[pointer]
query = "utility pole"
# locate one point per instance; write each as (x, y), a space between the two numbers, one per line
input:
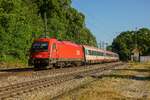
(100, 45)
(45, 21)
(136, 40)
(45, 18)
(106, 46)
(136, 48)
(103, 44)
(137, 44)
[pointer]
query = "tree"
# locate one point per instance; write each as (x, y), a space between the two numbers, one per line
(17, 23)
(19, 19)
(64, 19)
(127, 41)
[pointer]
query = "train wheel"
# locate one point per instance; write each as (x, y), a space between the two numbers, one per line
(49, 66)
(62, 64)
(36, 67)
(77, 64)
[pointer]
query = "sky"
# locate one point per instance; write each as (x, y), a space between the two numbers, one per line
(107, 18)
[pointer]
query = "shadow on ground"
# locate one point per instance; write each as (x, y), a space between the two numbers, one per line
(27, 69)
(17, 70)
(138, 70)
(133, 77)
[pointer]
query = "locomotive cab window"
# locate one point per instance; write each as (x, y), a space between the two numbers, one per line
(39, 46)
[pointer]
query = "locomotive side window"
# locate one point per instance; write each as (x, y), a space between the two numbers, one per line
(39, 46)
(54, 46)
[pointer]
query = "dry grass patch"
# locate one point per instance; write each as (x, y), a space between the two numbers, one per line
(132, 83)
(15, 64)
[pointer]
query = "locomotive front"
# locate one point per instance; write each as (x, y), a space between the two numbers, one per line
(39, 53)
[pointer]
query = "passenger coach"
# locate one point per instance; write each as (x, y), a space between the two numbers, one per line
(96, 55)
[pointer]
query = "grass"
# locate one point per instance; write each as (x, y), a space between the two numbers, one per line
(10, 62)
(132, 83)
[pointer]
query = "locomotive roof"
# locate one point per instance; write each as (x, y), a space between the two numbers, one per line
(70, 43)
(44, 39)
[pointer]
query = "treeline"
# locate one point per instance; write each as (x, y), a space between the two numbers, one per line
(20, 19)
(128, 41)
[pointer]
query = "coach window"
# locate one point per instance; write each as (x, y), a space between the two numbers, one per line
(90, 52)
(95, 53)
(100, 54)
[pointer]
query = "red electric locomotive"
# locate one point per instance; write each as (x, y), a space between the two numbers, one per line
(51, 52)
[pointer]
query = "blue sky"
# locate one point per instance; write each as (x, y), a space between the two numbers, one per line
(107, 18)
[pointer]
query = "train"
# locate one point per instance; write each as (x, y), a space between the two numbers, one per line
(50, 52)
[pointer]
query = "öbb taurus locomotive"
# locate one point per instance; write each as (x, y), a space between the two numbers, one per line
(51, 52)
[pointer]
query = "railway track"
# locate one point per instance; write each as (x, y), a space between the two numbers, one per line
(30, 86)
(18, 76)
